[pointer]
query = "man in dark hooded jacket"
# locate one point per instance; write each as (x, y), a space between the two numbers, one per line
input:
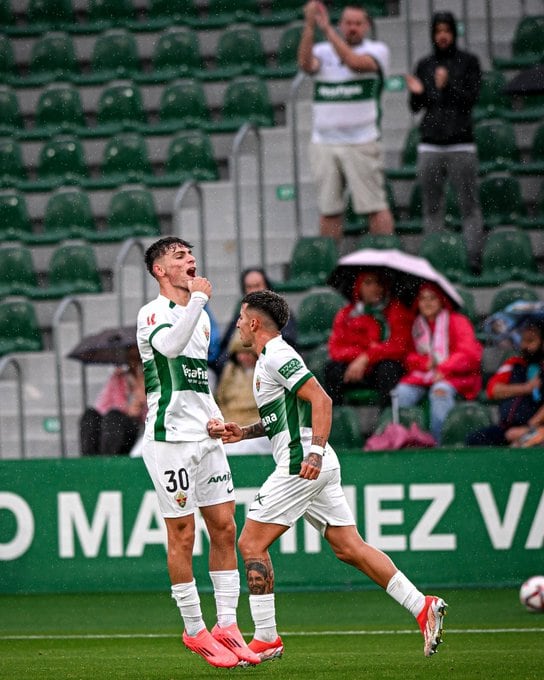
(446, 85)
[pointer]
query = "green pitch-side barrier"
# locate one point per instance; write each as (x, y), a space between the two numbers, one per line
(468, 517)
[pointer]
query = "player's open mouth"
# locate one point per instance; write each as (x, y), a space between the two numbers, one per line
(191, 272)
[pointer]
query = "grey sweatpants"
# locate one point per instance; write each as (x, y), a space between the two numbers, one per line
(460, 168)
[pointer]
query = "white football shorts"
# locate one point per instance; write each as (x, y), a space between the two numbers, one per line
(284, 498)
(188, 475)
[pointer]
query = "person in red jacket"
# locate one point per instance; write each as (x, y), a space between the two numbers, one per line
(369, 340)
(446, 360)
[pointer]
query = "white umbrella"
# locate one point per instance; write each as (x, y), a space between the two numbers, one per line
(407, 272)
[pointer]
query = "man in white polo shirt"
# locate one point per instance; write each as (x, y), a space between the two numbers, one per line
(348, 70)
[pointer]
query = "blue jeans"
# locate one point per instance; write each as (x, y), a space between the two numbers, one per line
(441, 401)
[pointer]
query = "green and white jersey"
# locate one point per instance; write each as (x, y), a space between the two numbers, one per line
(178, 395)
(347, 103)
(280, 371)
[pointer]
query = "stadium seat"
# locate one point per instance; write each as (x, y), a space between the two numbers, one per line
(413, 414)
(190, 156)
(316, 359)
(286, 55)
(176, 55)
(509, 294)
(68, 214)
(527, 47)
(535, 164)
(507, 256)
(53, 58)
(413, 223)
(345, 429)
(163, 13)
(447, 252)
(114, 55)
(59, 109)
(12, 169)
(501, 201)
(492, 101)
(469, 306)
(19, 330)
(72, 270)
(183, 105)
(239, 51)
(11, 120)
(17, 273)
(49, 15)
(14, 219)
(312, 261)
(315, 316)
(527, 109)
(125, 159)
(8, 67)
(246, 99)
(380, 241)
(496, 144)
(104, 14)
(536, 219)
(281, 12)
(131, 212)
(408, 159)
(7, 18)
(61, 161)
(464, 418)
(120, 107)
(223, 13)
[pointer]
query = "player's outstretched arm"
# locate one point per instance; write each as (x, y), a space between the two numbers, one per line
(321, 426)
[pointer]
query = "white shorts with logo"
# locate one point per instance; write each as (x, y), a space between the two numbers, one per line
(188, 475)
(284, 498)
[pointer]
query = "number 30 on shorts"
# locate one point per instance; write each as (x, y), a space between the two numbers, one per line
(177, 479)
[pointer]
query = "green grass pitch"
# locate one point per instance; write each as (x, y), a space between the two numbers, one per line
(340, 636)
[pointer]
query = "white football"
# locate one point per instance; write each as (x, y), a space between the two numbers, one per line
(531, 594)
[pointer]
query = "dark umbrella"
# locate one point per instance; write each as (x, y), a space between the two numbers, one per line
(107, 347)
(529, 81)
(405, 272)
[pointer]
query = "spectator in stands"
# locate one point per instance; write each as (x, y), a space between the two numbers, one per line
(349, 71)
(369, 341)
(112, 427)
(446, 85)
(517, 386)
(252, 280)
(234, 393)
(445, 362)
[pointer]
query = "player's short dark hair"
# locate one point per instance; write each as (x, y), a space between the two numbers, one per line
(160, 248)
(270, 304)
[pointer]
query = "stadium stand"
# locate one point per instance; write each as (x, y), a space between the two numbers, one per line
(312, 261)
(315, 316)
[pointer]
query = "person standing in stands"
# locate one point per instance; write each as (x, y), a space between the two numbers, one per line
(446, 86)
(349, 70)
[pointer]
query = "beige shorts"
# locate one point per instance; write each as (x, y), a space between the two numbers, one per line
(284, 498)
(359, 167)
(188, 475)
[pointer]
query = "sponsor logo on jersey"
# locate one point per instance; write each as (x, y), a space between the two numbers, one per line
(215, 479)
(181, 499)
(197, 374)
(291, 367)
(268, 420)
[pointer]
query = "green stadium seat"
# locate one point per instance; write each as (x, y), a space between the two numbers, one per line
(509, 294)
(535, 164)
(315, 316)
(190, 157)
(49, 15)
(246, 100)
(492, 101)
(131, 212)
(281, 12)
(8, 69)
(380, 242)
(176, 55)
(507, 256)
(68, 215)
(17, 273)
(312, 261)
(53, 58)
(183, 104)
(7, 18)
(527, 47)
(72, 270)
(413, 223)
(114, 55)
(61, 161)
(104, 14)
(447, 252)
(469, 305)
(59, 109)
(19, 330)
(11, 120)
(496, 144)
(163, 13)
(527, 109)
(408, 159)
(120, 108)
(315, 360)
(239, 51)
(413, 414)
(12, 169)
(125, 159)
(14, 219)
(501, 201)
(345, 429)
(536, 219)
(222, 13)
(360, 396)
(464, 418)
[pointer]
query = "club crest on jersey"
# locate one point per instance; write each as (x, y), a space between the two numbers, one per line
(258, 383)
(151, 320)
(291, 367)
(181, 499)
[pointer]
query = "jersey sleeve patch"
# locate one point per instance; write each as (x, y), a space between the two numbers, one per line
(290, 368)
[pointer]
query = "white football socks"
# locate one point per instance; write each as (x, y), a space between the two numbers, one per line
(263, 612)
(405, 593)
(188, 601)
(226, 589)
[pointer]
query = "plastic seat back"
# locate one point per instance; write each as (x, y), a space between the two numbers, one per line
(184, 102)
(315, 317)
(496, 143)
(133, 209)
(507, 295)
(7, 61)
(501, 201)
(508, 254)
(63, 159)
(52, 13)
(312, 261)
(464, 418)
(115, 54)
(17, 273)
(247, 99)
(11, 119)
(447, 253)
(19, 329)
(173, 10)
(240, 46)
(192, 152)
(68, 212)
(59, 107)
(73, 269)
(177, 50)
(53, 56)
(345, 428)
(14, 219)
(492, 102)
(12, 169)
(110, 12)
(126, 157)
(121, 104)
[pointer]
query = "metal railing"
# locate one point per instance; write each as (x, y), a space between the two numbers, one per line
(235, 165)
(186, 187)
(119, 285)
(5, 363)
(294, 92)
(66, 303)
